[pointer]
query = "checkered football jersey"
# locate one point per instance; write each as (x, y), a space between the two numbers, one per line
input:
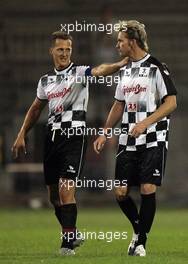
(67, 95)
(143, 86)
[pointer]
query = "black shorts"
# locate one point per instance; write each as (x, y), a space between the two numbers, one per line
(137, 167)
(63, 157)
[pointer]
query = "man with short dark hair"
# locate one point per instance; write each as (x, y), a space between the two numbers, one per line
(144, 99)
(67, 98)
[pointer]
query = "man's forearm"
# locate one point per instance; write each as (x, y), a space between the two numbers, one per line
(29, 121)
(114, 116)
(108, 69)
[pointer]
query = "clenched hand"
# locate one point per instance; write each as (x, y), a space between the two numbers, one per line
(138, 129)
(99, 144)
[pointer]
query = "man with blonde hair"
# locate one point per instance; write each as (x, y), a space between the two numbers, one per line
(145, 97)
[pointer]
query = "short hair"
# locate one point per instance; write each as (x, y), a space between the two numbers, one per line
(135, 30)
(60, 35)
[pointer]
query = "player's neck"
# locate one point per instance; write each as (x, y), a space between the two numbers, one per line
(138, 55)
(62, 67)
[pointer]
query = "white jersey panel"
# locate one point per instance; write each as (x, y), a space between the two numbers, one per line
(67, 95)
(143, 86)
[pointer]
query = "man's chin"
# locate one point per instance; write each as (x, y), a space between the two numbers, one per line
(63, 64)
(122, 55)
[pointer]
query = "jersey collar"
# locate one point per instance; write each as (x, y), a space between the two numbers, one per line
(64, 70)
(134, 63)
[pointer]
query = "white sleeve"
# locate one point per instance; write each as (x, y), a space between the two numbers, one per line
(164, 84)
(119, 93)
(40, 91)
(82, 71)
(82, 74)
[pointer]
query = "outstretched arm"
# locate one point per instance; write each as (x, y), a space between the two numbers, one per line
(108, 69)
(29, 121)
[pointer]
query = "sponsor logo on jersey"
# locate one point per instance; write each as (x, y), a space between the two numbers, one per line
(134, 89)
(58, 94)
(144, 72)
(127, 73)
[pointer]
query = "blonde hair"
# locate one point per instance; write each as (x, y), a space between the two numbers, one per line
(135, 30)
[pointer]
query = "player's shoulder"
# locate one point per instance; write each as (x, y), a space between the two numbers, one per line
(44, 78)
(74, 68)
(161, 66)
(47, 74)
(81, 70)
(80, 66)
(156, 62)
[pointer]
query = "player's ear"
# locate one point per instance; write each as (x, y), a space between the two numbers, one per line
(133, 43)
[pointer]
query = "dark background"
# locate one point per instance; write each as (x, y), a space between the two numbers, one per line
(25, 29)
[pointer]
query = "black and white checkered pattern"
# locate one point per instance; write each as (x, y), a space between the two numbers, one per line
(144, 85)
(67, 95)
